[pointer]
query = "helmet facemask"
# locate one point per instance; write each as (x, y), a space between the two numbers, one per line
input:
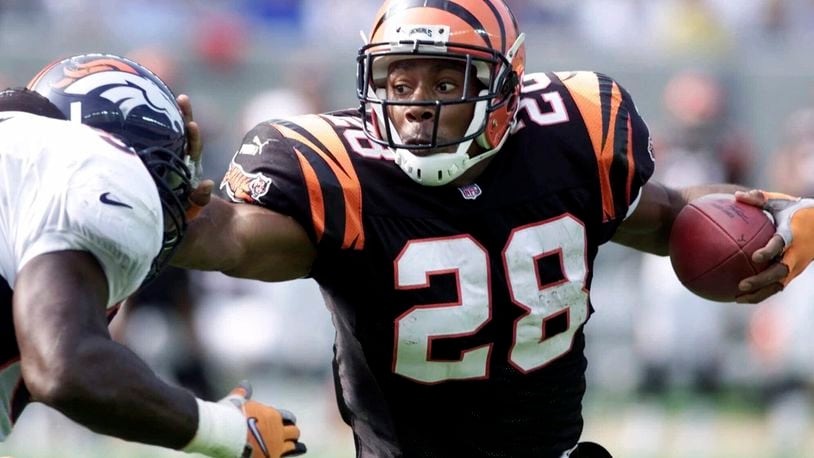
(495, 105)
(172, 178)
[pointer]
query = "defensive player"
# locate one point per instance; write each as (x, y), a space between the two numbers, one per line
(86, 215)
(452, 223)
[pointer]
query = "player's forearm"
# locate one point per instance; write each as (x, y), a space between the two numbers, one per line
(107, 388)
(209, 243)
(69, 361)
(648, 228)
(693, 192)
(246, 241)
(123, 398)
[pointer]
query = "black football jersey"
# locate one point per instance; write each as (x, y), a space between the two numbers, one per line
(459, 311)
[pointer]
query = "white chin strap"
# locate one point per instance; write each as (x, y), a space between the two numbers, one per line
(438, 169)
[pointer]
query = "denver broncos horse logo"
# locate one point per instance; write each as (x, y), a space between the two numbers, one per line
(119, 83)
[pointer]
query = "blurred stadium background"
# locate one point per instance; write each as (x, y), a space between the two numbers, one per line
(727, 87)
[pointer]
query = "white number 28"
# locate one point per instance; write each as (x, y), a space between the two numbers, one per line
(462, 256)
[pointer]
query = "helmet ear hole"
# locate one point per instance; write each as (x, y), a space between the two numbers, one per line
(509, 84)
(511, 104)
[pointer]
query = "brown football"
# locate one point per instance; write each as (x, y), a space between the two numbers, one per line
(712, 242)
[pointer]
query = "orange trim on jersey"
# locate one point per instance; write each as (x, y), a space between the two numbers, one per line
(584, 89)
(631, 160)
(340, 163)
(314, 195)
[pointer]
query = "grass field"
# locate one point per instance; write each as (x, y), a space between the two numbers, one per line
(679, 426)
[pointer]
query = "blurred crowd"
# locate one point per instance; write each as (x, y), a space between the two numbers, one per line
(675, 25)
(722, 106)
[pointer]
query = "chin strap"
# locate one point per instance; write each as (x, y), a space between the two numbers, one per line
(195, 170)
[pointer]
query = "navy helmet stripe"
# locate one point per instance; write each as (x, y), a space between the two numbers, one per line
(511, 15)
(444, 5)
(500, 24)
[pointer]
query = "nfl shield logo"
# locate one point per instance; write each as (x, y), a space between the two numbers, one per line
(470, 191)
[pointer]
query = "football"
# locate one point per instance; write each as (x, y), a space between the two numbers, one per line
(711, 245)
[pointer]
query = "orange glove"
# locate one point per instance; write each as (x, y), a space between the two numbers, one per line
(272, 433)
(794, 219)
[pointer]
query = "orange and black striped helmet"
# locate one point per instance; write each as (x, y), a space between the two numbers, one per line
(483, 34)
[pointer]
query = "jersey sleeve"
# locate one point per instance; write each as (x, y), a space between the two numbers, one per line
(620, 141)
(108, 206)
(301, 167)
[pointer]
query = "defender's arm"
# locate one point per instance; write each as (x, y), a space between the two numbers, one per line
(70, 362)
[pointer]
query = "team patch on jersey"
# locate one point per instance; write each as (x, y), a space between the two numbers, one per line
(242, 186)
(470, 191)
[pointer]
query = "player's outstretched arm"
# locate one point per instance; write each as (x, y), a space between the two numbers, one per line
(240, 240)
(247, 241)
(69, 362)
(648, 227)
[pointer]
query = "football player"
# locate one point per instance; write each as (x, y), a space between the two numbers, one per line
(92, 204)
(452, 223)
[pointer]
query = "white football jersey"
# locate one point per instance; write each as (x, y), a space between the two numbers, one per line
(66, 186)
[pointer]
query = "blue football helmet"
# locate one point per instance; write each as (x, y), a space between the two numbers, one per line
(123, 98)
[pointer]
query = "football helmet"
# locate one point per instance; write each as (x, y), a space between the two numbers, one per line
(123, 98)
(484, 35)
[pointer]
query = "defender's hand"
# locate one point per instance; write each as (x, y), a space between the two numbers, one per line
(202, 189)
(194, 141)
(794, 220)
(272, 433)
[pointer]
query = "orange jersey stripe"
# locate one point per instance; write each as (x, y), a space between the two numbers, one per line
(340, 163)
(314, 195)
(606, 160)
(585, 90)
(631, 160)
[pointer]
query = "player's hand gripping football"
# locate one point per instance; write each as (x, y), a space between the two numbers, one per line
(272, 433)
(202, 191)
(794, 241)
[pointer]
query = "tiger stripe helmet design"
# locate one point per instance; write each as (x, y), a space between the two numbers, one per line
(481, 33)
